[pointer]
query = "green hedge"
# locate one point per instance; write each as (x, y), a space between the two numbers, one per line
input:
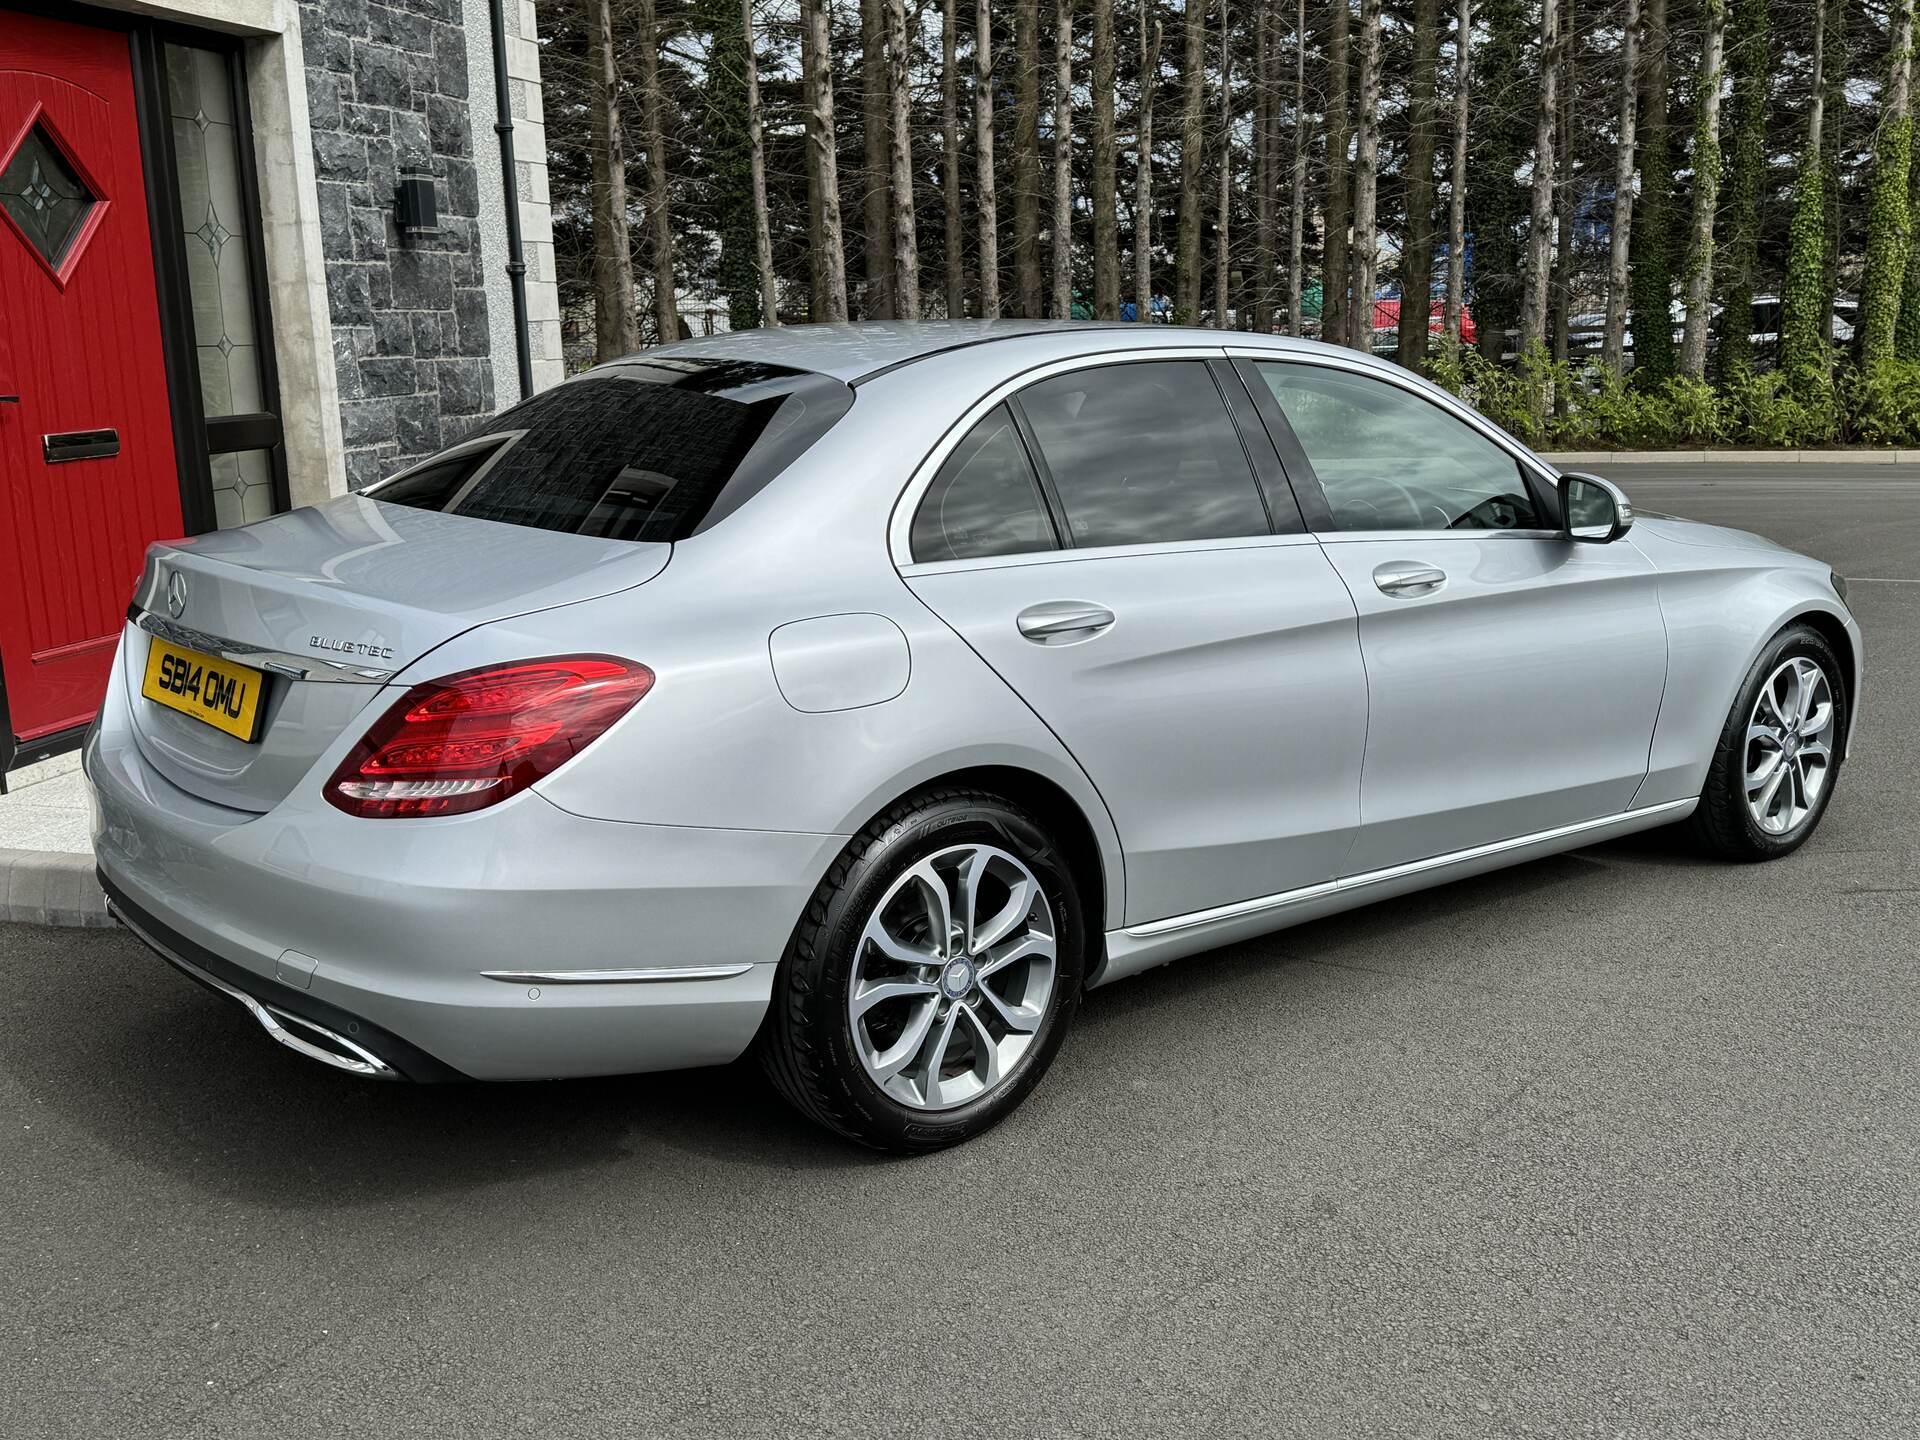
(1594, 409)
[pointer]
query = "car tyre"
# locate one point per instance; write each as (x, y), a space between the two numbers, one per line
(897, 1038)
(1778, 756)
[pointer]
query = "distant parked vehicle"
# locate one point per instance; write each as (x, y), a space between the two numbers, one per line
(1386, 324)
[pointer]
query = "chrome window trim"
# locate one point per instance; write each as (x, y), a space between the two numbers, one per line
(1420, 389)
(900, 522)
(1357, 537)
(1100, 552)
(287, 663)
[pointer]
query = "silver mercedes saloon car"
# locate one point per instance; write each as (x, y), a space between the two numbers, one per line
(861, 695)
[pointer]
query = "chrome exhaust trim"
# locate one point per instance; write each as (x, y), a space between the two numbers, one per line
(354, 1059)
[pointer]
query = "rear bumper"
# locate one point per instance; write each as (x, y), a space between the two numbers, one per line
(310, 1027)
(465, 947)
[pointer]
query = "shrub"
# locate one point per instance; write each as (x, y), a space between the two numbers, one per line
(1767, 411)
(1881, 401)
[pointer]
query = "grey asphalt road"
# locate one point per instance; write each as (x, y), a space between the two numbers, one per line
(1616, 1144)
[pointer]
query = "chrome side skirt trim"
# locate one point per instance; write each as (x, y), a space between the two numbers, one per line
(1139, 947)
(651, 975)
(278, 662)
(349, 1057)
(1392, 872)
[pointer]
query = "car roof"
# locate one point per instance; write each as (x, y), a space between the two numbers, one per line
(860, 351)
(852, 352)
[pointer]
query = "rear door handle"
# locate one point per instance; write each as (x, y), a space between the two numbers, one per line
(1408, 578)
(1058, 622)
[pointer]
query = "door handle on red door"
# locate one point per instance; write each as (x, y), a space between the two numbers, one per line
(1408, 578)
(1060, 622)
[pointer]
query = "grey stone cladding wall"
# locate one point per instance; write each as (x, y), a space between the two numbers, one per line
(387, 92)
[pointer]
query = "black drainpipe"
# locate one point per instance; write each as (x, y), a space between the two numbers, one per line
(516, 258)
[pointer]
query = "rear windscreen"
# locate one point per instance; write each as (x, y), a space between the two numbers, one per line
(638, 450)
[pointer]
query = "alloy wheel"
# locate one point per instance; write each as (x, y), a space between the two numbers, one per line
(952, 977)
(1789, 752)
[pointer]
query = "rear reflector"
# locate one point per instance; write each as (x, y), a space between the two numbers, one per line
(471, 740)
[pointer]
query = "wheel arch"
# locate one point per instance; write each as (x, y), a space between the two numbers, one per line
(1830, 627)
(1093, 849)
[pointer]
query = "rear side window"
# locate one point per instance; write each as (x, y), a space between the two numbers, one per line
(1144, 452)
(985, 500)
(651, 450)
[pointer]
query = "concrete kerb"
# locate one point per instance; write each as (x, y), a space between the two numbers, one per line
(51, 887)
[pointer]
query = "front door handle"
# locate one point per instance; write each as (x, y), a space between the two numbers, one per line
(1059, 622)
(1408, 578)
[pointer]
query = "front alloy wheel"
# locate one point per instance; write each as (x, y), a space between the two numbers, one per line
(1778, 757)
(1789, 746)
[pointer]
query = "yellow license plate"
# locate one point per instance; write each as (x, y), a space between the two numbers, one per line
(223, 694)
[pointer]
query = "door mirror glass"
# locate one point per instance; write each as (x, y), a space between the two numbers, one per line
(1594, 510)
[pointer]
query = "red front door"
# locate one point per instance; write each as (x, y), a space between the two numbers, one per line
(87, 473)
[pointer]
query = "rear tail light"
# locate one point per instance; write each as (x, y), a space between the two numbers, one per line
(470, 740)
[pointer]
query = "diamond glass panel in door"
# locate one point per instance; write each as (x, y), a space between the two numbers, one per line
(44, 195)
(242, 487)
(206, 144)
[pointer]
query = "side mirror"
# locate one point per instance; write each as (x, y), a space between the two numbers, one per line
(1593, 510)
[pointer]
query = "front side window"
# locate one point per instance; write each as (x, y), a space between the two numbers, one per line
(985, 500)
(1144, 452)
(644, 449)
(1387, 459)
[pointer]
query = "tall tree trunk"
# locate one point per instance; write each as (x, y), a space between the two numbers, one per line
(1416, 254)
(1561, 308)
(1297, 198)
(1143, 174)
(1650, 258)
(1706, 196)
(877, 304)
(1533, 308)
(1749, 57)
(950, 143)
(1456, 300)
(984, 194)
(1063, 160)
(1804, 354)
(1265, 243)
(757, 145)
(1337, 210)
(816, 197)
(1222, 245)
(1502, 145)
(653, 133)
(823, 172)
(906, 237)
(1026, 158)
(1839, 43)
(1906, 332)
(1106, 224)
(1889, 227)
(1366, 182)
(1613, 335)
(1193, 80)
(613, 327)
